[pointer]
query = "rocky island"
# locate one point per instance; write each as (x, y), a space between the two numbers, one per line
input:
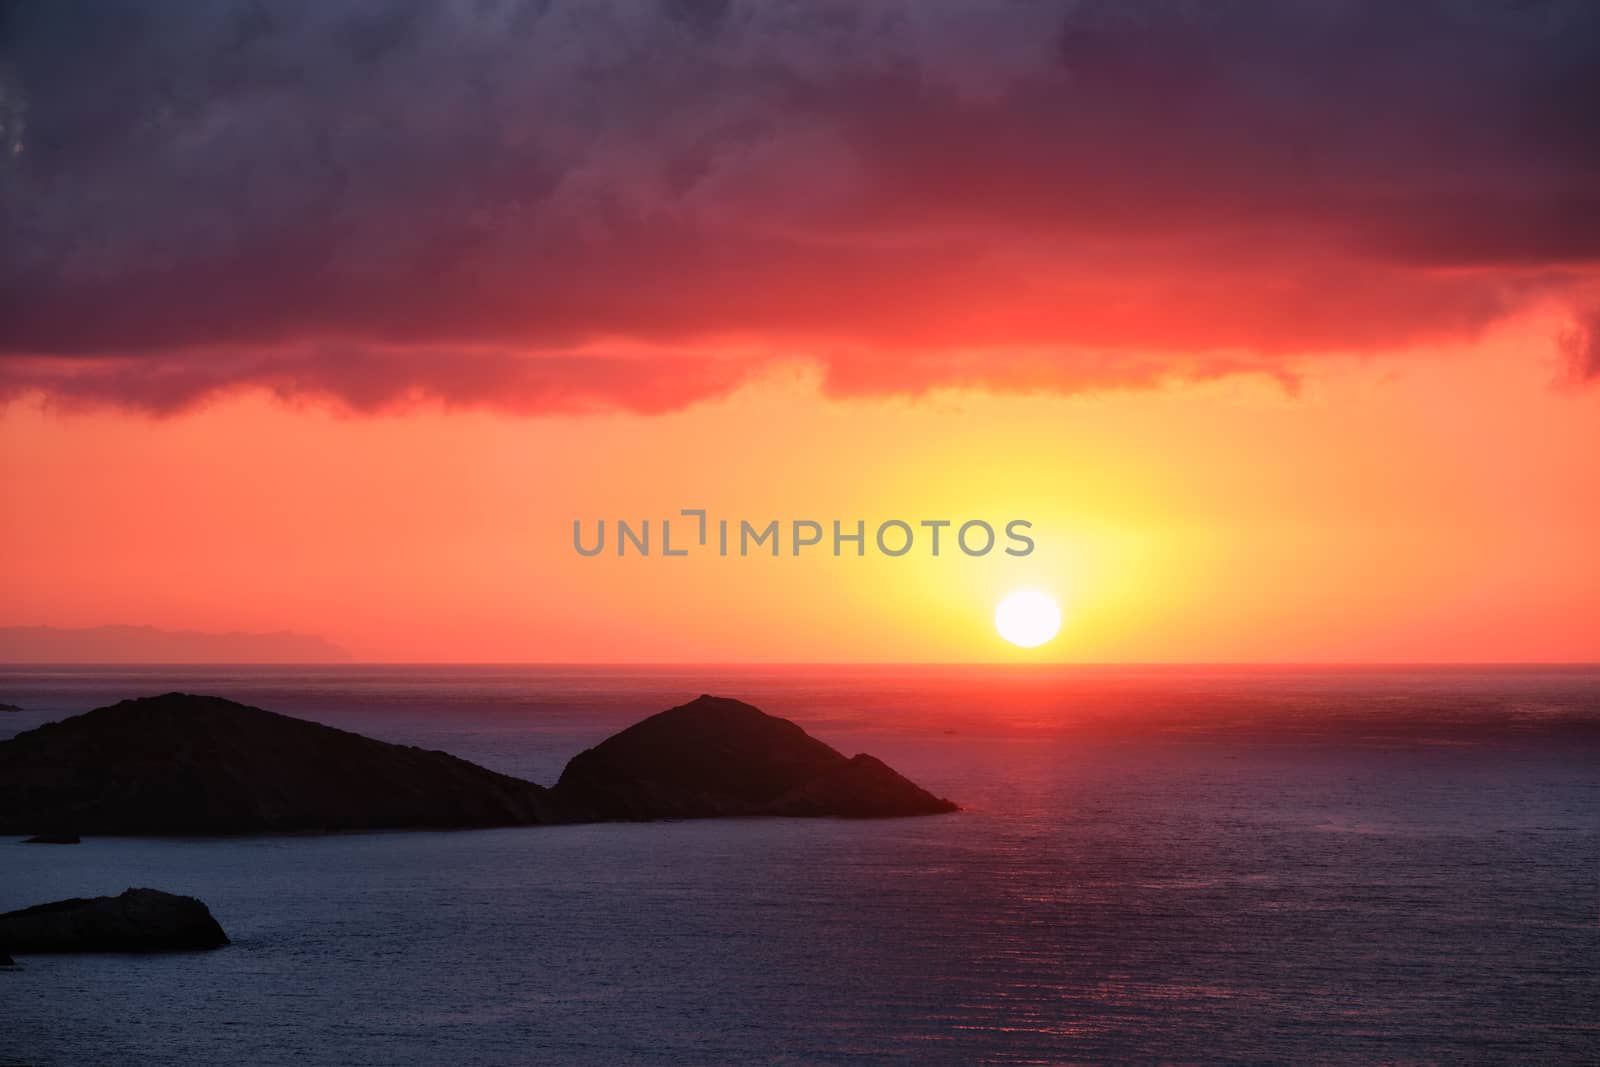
(182, 764)
(140, 920)
(716, 757)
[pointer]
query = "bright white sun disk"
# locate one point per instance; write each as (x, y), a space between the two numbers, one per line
(1027, 618)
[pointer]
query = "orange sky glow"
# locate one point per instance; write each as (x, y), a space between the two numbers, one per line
(1437, 507)
(1281, 363)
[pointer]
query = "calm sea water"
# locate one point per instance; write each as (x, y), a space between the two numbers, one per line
(1236, 865)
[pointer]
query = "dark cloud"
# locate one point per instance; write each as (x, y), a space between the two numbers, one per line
(558, 206)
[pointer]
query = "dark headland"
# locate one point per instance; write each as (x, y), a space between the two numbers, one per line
(184, 764)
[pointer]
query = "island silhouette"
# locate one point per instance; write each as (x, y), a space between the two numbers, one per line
(183, 764)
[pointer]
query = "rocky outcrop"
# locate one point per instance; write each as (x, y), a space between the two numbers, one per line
(9, 707)
(720, 757)
(182, 764)
(140, 920)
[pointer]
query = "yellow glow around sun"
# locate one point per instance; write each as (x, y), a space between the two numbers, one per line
(1027, 618)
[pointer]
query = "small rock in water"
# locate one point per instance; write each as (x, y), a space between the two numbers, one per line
(140, 920)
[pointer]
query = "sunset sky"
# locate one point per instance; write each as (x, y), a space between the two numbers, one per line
(1280, 323)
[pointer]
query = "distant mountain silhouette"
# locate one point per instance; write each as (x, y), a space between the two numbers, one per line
(146, 644)
(183, 764)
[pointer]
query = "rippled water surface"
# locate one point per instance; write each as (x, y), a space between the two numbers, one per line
(1221, 864)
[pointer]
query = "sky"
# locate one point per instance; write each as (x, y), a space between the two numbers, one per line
(1280, 322)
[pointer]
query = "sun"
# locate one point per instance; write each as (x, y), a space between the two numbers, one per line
(1027, 618)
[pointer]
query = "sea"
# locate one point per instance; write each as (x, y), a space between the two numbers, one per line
(1152, 864)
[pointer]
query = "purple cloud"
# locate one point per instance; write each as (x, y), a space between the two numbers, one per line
(561, 206)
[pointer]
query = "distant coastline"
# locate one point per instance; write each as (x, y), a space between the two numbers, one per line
(150, 645)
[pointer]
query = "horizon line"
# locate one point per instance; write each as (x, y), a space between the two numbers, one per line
(673, 664)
